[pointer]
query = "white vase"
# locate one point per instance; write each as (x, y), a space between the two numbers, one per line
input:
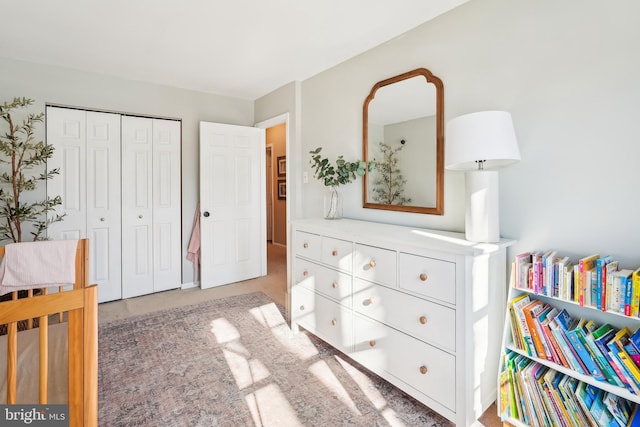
(332, 203)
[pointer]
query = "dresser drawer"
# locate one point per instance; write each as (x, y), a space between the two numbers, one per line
(431, 277)
(307, 245)
(424, 367)
(337, 253)
(323, 317)
(318, 278)
(376, 264)
(424, 320)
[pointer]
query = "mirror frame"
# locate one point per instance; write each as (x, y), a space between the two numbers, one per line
(430, 78)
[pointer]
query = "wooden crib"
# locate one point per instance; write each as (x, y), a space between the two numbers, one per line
(77, 308)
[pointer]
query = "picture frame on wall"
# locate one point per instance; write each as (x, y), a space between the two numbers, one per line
(282, 189)
(282, 165)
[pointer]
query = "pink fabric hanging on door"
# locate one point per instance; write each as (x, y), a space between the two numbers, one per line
(193, 251)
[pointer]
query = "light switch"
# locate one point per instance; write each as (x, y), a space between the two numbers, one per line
(305, 177)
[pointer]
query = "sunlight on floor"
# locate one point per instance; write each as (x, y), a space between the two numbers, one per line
(365, 384)
(224, 331)
(269, 407)
(375, 397)
(269, 316)
(268, 404)
(246, 372)
(325, 375)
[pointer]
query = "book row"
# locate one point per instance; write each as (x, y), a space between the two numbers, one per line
(539, 396)
(593, 281)
(603, 352)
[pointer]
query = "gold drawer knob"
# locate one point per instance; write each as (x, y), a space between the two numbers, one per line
(334, 322)
(334, 285)
(372, 343)
(305, 273)
(423, 277)
(302, 308)
(306, 245)
(372, 263)
(370, 300)
(334, 253)
(423, 370)
(423, 320)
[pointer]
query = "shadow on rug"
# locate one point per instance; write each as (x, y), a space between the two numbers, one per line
(235, 362)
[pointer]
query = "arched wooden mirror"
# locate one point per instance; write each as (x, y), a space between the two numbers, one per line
(403, 132)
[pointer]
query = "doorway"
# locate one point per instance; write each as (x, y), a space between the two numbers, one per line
(276, 150)
(269, 191)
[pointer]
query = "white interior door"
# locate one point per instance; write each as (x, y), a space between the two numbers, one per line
(167, 265)
(103, 204)
(232, 203)
(87, 152)
(66, 131)
(137, 208)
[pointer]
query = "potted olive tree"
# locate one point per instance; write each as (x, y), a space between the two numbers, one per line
(22, 167)
(332, 176)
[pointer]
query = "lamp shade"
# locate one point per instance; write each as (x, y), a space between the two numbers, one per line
(484, 136)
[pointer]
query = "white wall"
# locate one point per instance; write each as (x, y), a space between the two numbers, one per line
(569, 72)
(54, 85)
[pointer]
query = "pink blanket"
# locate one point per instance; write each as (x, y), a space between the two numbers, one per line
(33, 265)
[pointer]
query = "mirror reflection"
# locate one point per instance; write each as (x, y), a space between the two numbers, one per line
(403, 135)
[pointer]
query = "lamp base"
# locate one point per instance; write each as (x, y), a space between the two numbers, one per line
(482, 212)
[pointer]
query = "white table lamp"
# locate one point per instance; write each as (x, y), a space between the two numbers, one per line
(478, 143)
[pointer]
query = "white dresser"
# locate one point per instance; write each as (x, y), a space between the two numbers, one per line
(421, 308)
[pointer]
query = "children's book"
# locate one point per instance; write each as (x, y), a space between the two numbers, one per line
(577, 338)
(584, 264)
(618, 407)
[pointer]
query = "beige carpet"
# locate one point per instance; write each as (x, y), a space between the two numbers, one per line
(273, 285)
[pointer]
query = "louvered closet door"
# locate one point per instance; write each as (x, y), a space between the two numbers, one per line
(137, 206)
(87, 152)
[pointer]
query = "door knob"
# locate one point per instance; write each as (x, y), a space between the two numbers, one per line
(102, 219)
(206, 214)
(140, 216)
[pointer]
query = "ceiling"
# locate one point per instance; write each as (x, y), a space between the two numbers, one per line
(238, 48)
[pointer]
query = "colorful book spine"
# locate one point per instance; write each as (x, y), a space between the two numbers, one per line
(522, 322)
(520, 260)
(635, 303)
(601, 281)
(530, 311)
(572, 358)
(578, 341)
(602, 362)
(602, 336)
(584, 264)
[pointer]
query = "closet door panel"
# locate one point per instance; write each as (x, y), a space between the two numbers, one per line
(137, 209)
(66, 132)
(167, 265)
(103, 204)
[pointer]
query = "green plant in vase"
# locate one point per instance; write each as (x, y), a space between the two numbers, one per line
(333, 175)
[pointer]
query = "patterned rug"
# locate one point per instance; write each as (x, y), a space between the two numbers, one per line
(235, 362)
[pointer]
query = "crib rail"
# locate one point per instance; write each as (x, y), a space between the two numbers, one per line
(80, 307)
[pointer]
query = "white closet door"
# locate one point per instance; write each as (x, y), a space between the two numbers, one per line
(87, 152)
(103, 204)
(167, 265)
(137, 207)
(66, 132)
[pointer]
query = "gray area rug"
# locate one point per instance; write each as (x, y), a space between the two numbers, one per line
(235, 362)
